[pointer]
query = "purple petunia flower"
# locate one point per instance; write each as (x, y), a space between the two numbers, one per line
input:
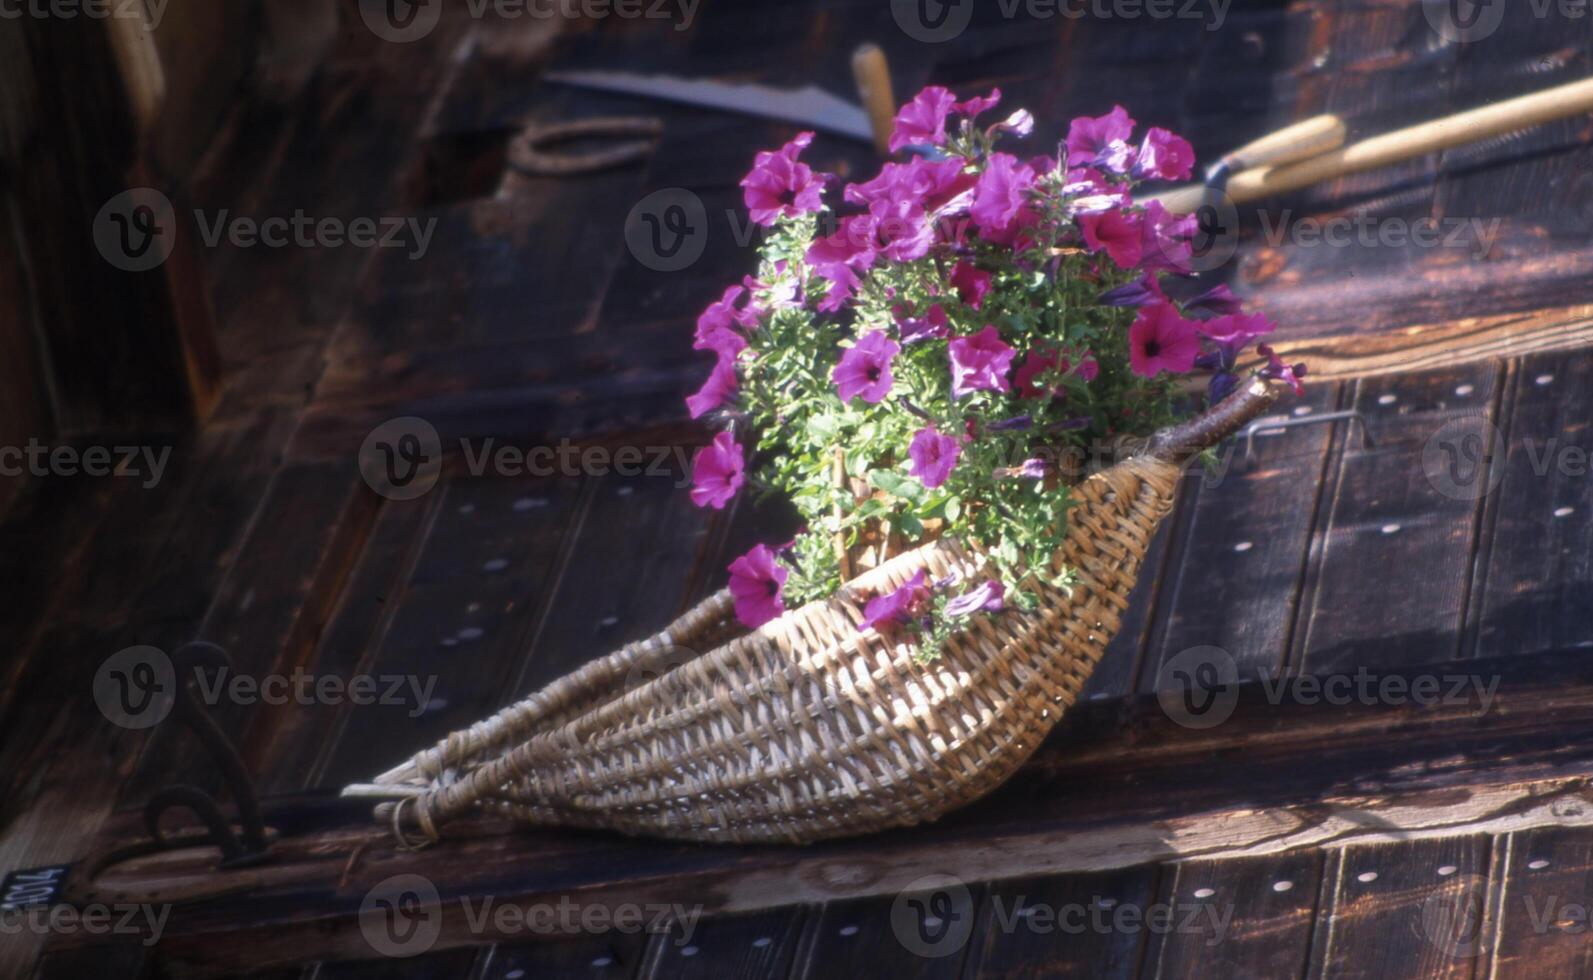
(1236, 330)
(971, 283)
(841, 256)
(716, 327)
(1143, 290)
(1102, 141)
(923, 120)
(757, 583)
(780, 187)
(985, 596)
(898, 606)
(1165, 156)
(717, 390)
(717, 472)
(977, 105)
(1162, 341)
(1117, 233)
(1277, 370)
(1046, 360)
(933, 326)
(934, 456)
(1217, 301)
(980, 363)
(865, 369)
(1166, 237)
(1001, 198)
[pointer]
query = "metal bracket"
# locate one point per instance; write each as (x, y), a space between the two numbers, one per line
(237, 849)
(1260, 426)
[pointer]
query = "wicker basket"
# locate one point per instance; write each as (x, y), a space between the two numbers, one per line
(810, 728)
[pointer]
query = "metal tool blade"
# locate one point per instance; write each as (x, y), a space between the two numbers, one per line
(810, 106)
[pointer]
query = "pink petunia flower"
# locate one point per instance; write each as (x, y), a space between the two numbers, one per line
(757, 583)
(934, 456)
(1002, 196)
(1144, 290)
(923, 120)
(717, 472)
(1117, 233)
(1102, 141)
(841, 256)
(929, 184)
(971, 283)
(980, 363)
(716, 327)
(1161, 340)
(978, 106)
(987, 595)
(1216, 301)
(718, 389)
(780, 187)
(1165, 156)
(865, 369)
(898, 606)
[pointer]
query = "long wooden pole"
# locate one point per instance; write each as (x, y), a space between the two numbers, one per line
(1509, 116)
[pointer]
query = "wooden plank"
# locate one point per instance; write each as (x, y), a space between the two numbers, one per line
(605, 957)
(479, 588)
(1537, 570)
(1543, 917)
(863, 938)
(1067, 926)
(1388, 512)
(1253, 521)
(1249, 919)
(753, 946)
(1404, 909)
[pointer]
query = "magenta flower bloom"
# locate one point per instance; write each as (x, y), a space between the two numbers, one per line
(1146, 290)
(923, 120)
(933, 326)
(1165, 156)
(757, 581)
(930, 185)
(934, 456)
(839, 257)
(1166, 240)
(985, 596)
(1276, 369)
(1046, 360)
(1236, 330)
(865, 369)
(898, 606)
(971, 283)
(1019, 124)
(718, 389)
(978, 106)
(1117, 233)
(1102, 141)
(1217, 301)
(1001, 197)
(980, 363)
(716, 327)
(779, 186)
(717, 472)
(1161, 340)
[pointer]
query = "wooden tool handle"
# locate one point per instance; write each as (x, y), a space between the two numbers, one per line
(1509, 116)
(874, 87)
(1291, 144)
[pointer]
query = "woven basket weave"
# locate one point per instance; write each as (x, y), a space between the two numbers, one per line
(810, 728)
